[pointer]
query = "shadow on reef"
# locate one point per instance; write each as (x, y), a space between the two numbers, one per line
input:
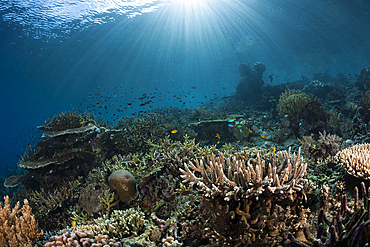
(273, 165)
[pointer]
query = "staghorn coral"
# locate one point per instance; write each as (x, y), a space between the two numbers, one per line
(49, 200)
(136, 133)
(18, 226)
(63, 121)
(277, 173)
(355, 160)
(120, 224)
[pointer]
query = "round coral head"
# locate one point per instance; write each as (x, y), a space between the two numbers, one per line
(123, 184)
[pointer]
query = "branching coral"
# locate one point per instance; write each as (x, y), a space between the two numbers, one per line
(18, 226)
(355, 160)
(47, 201)
(120, 224)
(277, 173)
(66, 120)
(137, 132)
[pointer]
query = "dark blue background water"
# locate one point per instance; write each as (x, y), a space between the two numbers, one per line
(52, 62)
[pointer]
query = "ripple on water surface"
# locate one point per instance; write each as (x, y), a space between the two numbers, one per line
(54, 18)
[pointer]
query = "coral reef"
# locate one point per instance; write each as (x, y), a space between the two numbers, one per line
(223, 174)
(18, 226)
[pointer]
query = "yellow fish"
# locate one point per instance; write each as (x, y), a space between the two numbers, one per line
(166, 126)
(113, 157)
(238, 141)
(250, 131)
(174, 131)
(218, 136)
(265, 137)
(82, 122)
(74, 223)
(218, 142)
(273, 150)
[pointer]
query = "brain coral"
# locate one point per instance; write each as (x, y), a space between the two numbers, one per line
(123, 184)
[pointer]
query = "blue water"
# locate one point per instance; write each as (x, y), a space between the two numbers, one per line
(57, 56)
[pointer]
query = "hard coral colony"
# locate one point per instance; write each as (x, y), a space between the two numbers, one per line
(281, 167)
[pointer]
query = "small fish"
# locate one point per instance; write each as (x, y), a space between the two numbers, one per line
(300, 124)
(250, 131)
(82, 122)
(174, 131)
(218, 136)
(166, 126)
(114, 156)
(230, 125)
(127, 161)
(74, 223)
(271, 78)
(193, 87)
(265, 137)
(238, 141)
(218, 142)
(286, 115)
(274, 150)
